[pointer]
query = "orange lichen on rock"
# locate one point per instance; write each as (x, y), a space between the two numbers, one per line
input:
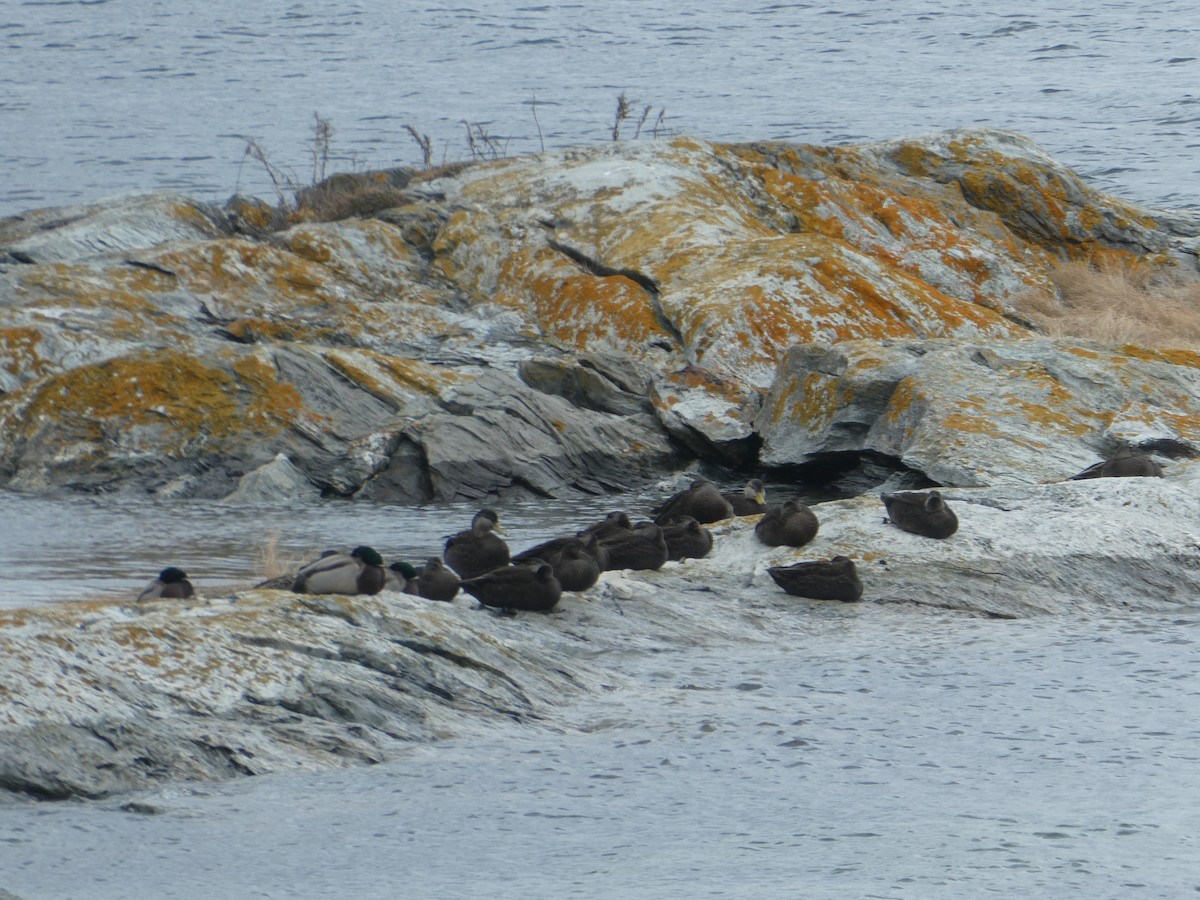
(18, 351)
(179, 398)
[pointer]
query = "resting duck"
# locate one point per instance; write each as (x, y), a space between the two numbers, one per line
(400, 577)
(687, 539)
(925, 514)
(577, 562)
(171, 584)
(531, 587)
(436, 582)
(702, 501)
(1125, 463)
(360, 572)
(792, 524)
(750, 500)
(642, 547)
(477, 550)
(832, 579)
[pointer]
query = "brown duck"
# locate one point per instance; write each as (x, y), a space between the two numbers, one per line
(925, 513)
(790, 524)
(822, 579)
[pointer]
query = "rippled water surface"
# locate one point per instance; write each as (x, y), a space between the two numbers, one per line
(79, 548)
(884, 753)
(99, 97)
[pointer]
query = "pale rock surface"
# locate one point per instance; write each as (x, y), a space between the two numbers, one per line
(982, 412)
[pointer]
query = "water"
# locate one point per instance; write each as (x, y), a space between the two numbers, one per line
(100, 97)
(55, 549)
(872, 752)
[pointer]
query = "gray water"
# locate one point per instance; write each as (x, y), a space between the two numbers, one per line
(99, 97)
(56, 549)
(872, 752)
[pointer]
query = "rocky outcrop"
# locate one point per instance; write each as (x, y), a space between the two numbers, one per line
(541, 325)
(102, 698)
(974, 413)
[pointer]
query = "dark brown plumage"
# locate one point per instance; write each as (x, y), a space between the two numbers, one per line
(702, 501)
(436, 582)
(687, 539)
(1125, 463)
(750, 500)
(643, 547)
(612, 523)
(577, 562)
(530, 588)
(477, 550)
(920, 513)
(171, 584)
(832, 579)
(790, 524)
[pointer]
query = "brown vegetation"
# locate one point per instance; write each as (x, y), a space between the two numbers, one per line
(1119, 303)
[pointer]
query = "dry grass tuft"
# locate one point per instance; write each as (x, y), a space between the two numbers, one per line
(334, 203)
(272, 564)
(1119, 303)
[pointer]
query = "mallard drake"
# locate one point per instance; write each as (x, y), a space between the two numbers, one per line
(171, 584)
(1125, 463)
(687, 539)
(702, 501)
(531, 587)
(360, 572)
(641, 547)
(830, 579)
(791, 524)
(750, 500)
(924, 513)
(436, 582)
(478, 549)
(401, 578)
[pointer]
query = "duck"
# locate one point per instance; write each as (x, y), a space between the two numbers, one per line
(1125, 463)
(687, 539)
(171, 584)
(820, 579)
(401, 578)
(477, 550)
(750, 500)
(576, 569)
(642, 547)
(530, 588)
(702, 501)
(923, 513)
(577, 562)
(615, 521)
(359, 572)
(791, 524)
(436, 582)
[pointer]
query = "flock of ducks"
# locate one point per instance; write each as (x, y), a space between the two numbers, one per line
(478, 561)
